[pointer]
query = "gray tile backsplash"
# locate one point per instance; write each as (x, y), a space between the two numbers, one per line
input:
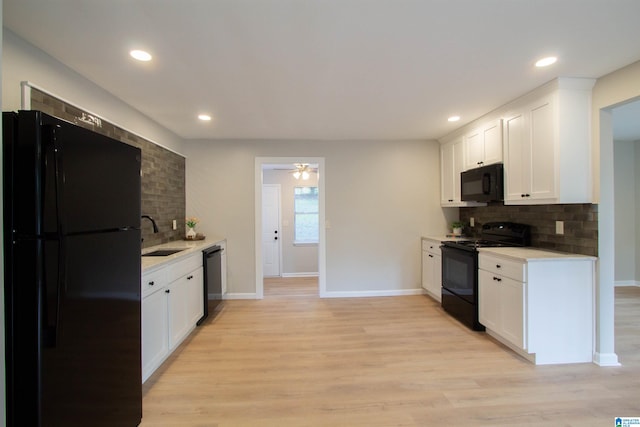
(163, 172)
(580, 224)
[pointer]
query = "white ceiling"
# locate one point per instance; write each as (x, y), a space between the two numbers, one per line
(327, 69)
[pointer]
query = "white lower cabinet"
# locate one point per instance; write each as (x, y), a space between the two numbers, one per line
(155, 323)
(432, 268)
(185, 306)
(540, 305)
(172, 303)
(501, 306)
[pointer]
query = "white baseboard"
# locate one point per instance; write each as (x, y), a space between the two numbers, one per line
(231, 295)
(606, 359)
(362, 294)
(300, 274)
(626, 283)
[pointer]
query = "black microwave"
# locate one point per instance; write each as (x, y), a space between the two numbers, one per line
(483, 184)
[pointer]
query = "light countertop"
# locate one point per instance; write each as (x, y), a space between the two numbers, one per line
(530, 254)
(444, 237)
(188, 246)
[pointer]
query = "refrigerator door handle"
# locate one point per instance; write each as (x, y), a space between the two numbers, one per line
(53, 303)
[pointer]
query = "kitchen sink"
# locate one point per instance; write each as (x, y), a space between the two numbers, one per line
(163, 252)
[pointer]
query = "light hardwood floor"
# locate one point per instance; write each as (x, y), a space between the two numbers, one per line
(294, 359)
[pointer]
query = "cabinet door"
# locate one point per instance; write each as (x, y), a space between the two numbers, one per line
(512, 311)
(155, 341)
(492, 137)
(178, 314)
(432, 274)
(426, 272)
(446, 174)
(435, 285)
(473, 149)
(488, 300)
(543, 155)
(516, 165)
(195, 296)
(451, 165)
(224, 270)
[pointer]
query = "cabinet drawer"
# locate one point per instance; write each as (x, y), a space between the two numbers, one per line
(185, 266)
(502, 266)
(154, 281)
(431, 246)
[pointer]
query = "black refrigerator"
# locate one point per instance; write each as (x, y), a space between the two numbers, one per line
(72, 275)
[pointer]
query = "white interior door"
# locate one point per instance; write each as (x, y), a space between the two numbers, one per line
(271, 230)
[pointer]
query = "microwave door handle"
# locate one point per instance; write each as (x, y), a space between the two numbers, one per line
(486, 183)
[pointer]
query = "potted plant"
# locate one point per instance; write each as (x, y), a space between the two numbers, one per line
(456, 226)
(191, 224)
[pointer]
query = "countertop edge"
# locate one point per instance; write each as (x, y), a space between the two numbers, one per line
(149, 264)
(531, 254)
(444, 238)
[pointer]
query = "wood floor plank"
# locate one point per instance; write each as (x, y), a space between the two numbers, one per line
(294, 359)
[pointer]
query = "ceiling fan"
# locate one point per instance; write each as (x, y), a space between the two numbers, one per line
(303, 170)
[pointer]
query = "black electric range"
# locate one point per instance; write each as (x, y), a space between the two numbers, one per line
(460, 267)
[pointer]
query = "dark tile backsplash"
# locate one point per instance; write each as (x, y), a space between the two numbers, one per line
(163, 172)
(580, 224)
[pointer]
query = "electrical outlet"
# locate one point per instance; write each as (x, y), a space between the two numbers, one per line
(559, 227)
(472, 222)
(175, 224)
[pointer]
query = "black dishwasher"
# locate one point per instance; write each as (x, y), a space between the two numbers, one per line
(212, 263)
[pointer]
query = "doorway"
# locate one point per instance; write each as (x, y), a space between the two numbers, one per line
(605, 336)
(262, 163)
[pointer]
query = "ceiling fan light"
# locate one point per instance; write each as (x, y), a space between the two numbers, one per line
(305, 174)
(296, 174)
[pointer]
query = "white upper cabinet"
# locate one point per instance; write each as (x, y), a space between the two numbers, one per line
(547, 145)
(451, 165)
(483, 145)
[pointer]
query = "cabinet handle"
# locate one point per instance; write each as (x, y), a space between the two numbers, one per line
(497, 279)
(189, 277)
(167, 291)
(498, 266)
(430, 256)
(151, 283)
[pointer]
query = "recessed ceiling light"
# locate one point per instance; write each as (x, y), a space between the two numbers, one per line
(140, 55)
(453, 118)
(545, 62)
(204, 117)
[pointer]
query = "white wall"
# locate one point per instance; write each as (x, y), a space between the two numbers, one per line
(636, 273)
(625, 211)
(381, 196)
(24, 62)
(301, 259)
(611, 90)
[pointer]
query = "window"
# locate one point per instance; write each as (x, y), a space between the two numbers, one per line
(305, 206)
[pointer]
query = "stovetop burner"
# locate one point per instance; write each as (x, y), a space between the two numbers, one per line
(495, 235)
(481, 243)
